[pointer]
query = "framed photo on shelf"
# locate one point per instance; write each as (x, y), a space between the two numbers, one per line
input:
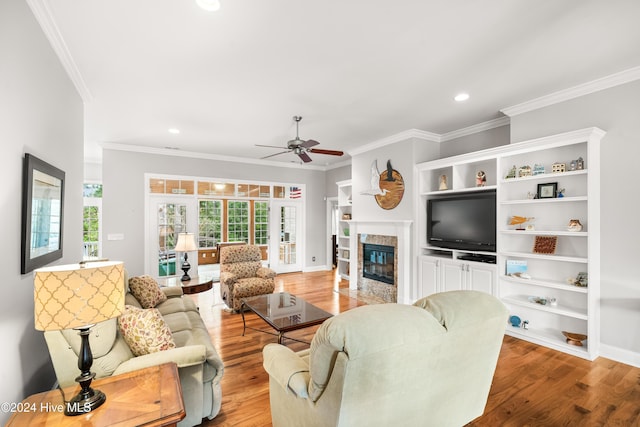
(547, 191)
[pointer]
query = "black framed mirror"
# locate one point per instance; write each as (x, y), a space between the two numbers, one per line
(42, 213)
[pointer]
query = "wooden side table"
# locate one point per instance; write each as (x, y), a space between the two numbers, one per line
(149, 397)
(195, 285)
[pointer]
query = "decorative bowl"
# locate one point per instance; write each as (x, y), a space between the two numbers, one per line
(573, 338)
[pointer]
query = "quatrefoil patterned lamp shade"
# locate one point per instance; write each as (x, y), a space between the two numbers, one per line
(74, 296)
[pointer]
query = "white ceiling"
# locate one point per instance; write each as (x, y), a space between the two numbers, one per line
(358, 71)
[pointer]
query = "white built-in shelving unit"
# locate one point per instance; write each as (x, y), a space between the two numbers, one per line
(344, 228)
(549, 275)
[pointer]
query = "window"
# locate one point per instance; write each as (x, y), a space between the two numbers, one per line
(209, 223)
(91, 231)
(238, 221)
(261, 223)
(92, 221)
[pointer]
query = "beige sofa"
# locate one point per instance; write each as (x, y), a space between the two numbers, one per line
(199, 366)
(430, 364)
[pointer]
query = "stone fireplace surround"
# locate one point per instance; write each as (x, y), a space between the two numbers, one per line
(385, 232)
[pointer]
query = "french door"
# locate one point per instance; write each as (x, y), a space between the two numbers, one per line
(285, 247)
(168, 217)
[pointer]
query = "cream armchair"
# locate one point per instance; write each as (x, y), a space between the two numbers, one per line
(242, 275)
(199, 366)
(430, 364)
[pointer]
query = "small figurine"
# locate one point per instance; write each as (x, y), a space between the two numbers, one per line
(573, 165)
(560, 193)
(580, 164)
(443, 183)
(481, 179)
(574, 225)
(524, 171)
(511, 173)
(519, 220)
(558, 167)
(538, 169)
(531, 195)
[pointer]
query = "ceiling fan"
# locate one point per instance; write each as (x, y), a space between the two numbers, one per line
(301, 147)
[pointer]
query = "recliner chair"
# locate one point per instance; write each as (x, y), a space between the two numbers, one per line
(430, 364)
(242, 275)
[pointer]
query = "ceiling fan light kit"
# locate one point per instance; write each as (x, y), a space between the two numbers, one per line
(300, 147)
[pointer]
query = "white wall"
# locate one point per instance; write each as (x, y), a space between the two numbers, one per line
(617, 111)
(123, 199)
(475, 142)
(40, 113)
(335, 175)
(401, 155)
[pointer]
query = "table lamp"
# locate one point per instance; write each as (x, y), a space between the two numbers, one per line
(77, 297)
(186, 242)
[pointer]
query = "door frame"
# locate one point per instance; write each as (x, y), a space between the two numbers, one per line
(274, 236)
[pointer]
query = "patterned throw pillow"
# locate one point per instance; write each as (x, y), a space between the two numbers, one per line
(144, 330)
(147, 291)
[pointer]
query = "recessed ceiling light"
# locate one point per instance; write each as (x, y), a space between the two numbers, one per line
(461, 97)
(209, 5)
(174, 131)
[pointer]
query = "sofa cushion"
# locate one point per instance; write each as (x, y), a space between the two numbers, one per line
(147, 291)
(144, 330)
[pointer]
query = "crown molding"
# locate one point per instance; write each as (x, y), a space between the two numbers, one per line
(42, 11)
(480, 127)
(192, 154)
(402, 136)
(607, 82)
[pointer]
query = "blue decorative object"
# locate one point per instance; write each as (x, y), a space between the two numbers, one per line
(515, 321)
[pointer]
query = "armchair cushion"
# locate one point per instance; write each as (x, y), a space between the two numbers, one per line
(287, 368)
(147, 291)
(145, 331)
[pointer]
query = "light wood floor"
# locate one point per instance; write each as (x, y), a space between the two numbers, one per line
(533, 385)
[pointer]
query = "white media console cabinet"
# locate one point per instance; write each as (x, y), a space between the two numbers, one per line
(545, 298)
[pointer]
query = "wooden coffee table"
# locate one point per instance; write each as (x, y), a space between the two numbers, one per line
(149, 397)
(284, 312)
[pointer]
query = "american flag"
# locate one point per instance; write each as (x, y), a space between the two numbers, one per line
(295, 192)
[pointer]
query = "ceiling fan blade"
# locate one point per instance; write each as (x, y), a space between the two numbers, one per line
(304, 157)
(276, 154)
(329, 152)
(270, 146)
(309, 143)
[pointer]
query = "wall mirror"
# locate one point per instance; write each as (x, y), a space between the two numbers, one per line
(42, 213)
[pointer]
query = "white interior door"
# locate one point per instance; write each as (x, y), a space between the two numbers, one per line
(285, 244)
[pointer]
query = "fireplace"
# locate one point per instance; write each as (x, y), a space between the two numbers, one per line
(378, 263)
(396, 234)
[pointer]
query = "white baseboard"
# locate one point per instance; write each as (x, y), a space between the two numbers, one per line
(620, 355)
(316, 268)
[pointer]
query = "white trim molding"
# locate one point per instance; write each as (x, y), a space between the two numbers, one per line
(42, 11)
(480, 127)
(607, 82)
(621, 355)
(402, 136)
(207, 156)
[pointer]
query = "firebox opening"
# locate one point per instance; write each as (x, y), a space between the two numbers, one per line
(378, 262)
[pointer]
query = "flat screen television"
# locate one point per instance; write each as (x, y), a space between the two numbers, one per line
(463, 221)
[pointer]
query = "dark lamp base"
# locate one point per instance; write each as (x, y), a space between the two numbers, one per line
(83, 403)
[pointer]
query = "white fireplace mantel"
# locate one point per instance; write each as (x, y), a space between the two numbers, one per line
(401, 229)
